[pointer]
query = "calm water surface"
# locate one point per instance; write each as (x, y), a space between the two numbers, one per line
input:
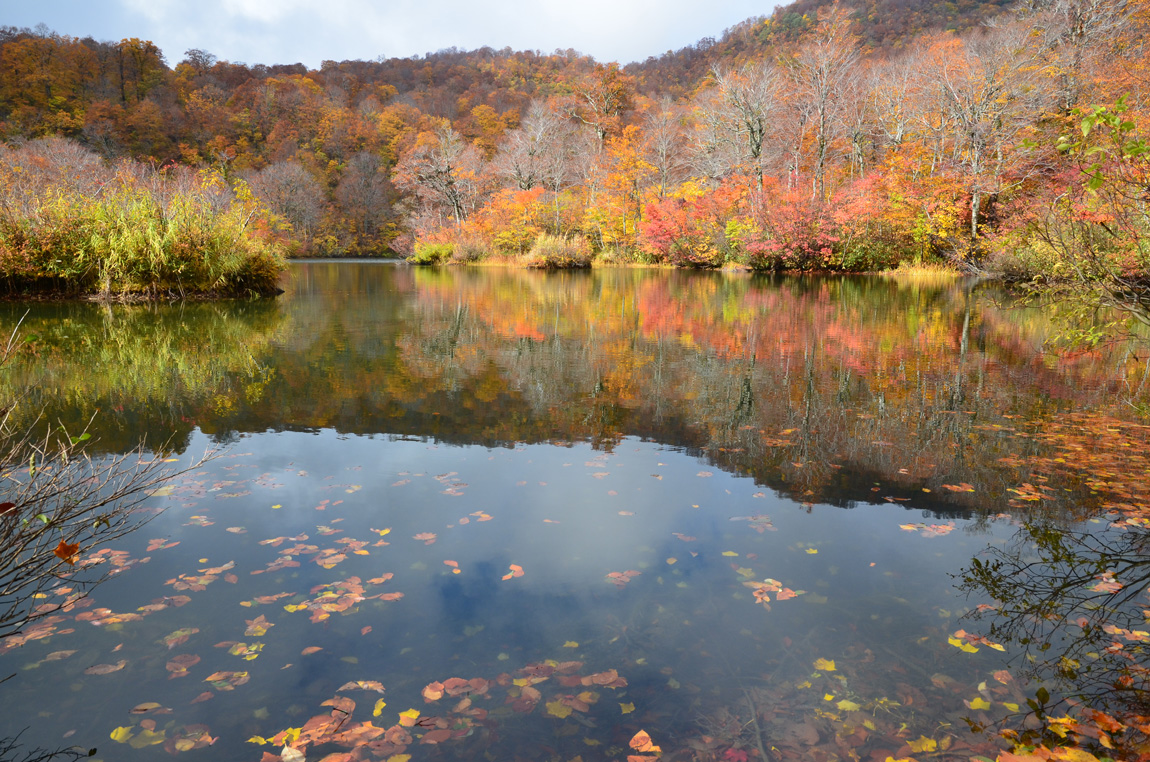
(729, 511)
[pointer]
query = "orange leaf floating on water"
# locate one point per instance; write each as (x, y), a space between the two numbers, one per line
(516, 571)
(106, 669)
(365, 630)
(202, 697)
(366, 685)
(66, 552)
(642, 743)
(436, 736)
(310, 650)
(433, 692)
(179, 665)
(427, 537)
(340, 704)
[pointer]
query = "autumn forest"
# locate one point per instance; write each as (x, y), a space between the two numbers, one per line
(819, 138)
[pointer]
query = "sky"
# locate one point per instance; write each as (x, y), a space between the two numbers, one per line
(311, 31)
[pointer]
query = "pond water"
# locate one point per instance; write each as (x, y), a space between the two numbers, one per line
(487, 513)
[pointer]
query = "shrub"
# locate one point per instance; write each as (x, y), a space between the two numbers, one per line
(141, 234)
(431, 253)
(551, 251)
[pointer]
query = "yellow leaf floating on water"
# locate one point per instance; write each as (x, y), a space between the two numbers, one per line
(558, 709)
(399, 758)
(978, 703)
(730, 553)
(121, 735)
(627, 708)
(1011, 706)
(962, 645)
(848, 706)
(379, 705)
(828, 697)
(901, 759)
(148, 738)
(812, 551)
(570, 644)
(407, 719)
(826, 665)
(923, 744)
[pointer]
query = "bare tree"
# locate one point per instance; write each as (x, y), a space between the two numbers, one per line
(989, 92)
(819, 73)
(363, 192)
(442, 171)
(738, 114)
(290, 191)
(665, 143)
(524, 153)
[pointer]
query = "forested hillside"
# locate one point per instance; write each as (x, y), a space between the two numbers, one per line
(821, 137)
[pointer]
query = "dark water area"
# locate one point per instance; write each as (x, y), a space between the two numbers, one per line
(488, 513)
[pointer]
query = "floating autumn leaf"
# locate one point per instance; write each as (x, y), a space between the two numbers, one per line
(178, 637)
(1105, 584)
(620, 579)
(626, 708)
(962, 645)
(179, 665)
(66, 552)
(825, 665)
(226, 681)
(106, 669)
(516, 571)
(641, 742)
(409, 718)
(340, 704)
(363, 685)
(150, 706)
(310, 650)
(188, 738)
(923, 744)
(258, 626)
(977, 703)
(558, 709)
(427, 537)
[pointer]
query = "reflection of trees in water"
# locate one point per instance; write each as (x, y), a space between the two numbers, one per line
(144, 368)
(815, 386)
(1075, 600)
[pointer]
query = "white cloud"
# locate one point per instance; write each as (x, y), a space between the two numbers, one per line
(286, 31)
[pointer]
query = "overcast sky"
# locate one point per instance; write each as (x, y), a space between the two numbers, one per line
(311, 31)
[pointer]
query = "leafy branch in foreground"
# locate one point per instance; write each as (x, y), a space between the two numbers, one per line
(11, 750)
(1092, 245)
(1075, 602)
(57, 504)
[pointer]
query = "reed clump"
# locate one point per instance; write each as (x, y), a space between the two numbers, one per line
(71, 225)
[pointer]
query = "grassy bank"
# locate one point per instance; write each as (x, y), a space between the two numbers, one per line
(72, 226)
